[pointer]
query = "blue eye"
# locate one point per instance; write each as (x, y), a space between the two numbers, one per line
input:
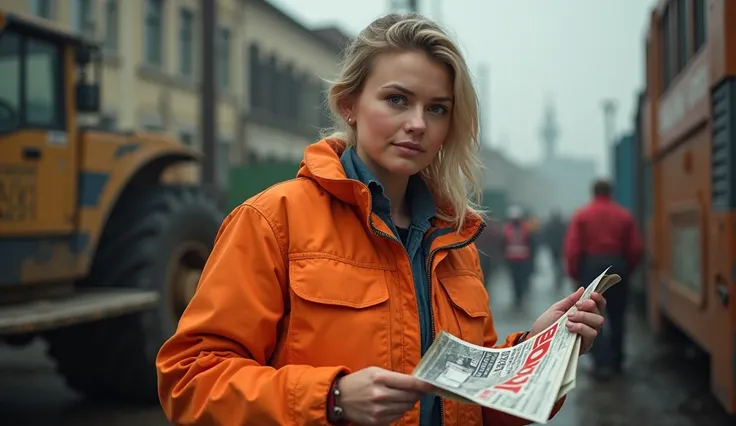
(396, 100)
(438, 109)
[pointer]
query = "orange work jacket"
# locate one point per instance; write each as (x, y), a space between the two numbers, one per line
(297, 290)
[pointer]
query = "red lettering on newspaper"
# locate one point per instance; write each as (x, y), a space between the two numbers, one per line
(542, 344)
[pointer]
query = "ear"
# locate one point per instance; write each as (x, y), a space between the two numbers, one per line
(347, 108)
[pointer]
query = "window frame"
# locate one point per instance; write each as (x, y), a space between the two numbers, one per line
(59, 122)
(112, 25)
(186, 68)
(147, 52)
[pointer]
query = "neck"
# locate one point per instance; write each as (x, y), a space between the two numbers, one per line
(394, 187)
(395, 190)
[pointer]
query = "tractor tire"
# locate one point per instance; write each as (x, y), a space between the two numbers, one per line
(155, 239)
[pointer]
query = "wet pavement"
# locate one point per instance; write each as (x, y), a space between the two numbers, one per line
(665, 384)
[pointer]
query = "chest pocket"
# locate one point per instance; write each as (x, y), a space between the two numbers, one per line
(339, 314)
(468, 308)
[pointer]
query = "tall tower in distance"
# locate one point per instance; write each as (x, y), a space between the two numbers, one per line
(549, 132)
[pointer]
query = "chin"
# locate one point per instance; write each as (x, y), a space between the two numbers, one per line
(403, 166)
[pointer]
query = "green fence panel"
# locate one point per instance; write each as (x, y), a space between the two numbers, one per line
(248, 180)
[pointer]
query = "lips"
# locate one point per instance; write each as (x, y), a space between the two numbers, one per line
(410, 145)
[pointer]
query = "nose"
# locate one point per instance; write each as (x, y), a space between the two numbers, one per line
(416, 122)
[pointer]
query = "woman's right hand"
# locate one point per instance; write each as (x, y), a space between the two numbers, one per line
(374, 396)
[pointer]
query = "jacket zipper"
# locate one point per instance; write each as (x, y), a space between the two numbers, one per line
(430, 258)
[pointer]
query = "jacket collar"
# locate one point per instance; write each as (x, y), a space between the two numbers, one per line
(419, 196)
(321, 163)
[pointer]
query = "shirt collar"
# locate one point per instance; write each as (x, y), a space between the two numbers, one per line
(419, 196)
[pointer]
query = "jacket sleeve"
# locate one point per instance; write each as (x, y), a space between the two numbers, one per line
(213, 370)
(573, 247)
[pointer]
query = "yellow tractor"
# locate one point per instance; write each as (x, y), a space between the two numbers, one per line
(103, 235)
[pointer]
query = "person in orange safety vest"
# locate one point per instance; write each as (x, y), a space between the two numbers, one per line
(519, 248)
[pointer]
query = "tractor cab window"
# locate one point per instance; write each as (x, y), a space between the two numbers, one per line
(30, 87)
(10, 69)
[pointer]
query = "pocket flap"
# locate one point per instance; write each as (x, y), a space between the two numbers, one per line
(332, 282)
(468, 294)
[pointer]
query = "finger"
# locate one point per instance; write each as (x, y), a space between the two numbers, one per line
(383, 394)
(401, 381)
(590, 319)
(587, 306)
(569, 301)
(586, 332)
(390, 411)
(599, 300)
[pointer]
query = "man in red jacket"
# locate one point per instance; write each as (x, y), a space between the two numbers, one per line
(602, 234)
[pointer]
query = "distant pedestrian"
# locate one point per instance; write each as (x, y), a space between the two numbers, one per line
(554, 237)
(603, 234)
(518, 248)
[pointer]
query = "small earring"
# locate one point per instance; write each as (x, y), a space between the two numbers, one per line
(350, 120)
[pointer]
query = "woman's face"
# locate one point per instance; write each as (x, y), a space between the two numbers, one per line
(402, 116)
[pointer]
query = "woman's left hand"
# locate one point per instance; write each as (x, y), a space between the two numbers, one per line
(586, 322)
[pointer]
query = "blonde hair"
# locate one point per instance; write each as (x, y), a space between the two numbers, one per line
(454, 175)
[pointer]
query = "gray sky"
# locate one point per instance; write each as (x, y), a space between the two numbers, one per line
(576, 52)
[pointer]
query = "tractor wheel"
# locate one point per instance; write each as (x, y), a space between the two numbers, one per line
(155, 239)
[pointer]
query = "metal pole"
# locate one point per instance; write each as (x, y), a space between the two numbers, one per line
(485, 102)
(609, 117)
(208, 104)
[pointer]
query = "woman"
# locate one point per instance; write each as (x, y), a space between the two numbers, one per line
(322, 293)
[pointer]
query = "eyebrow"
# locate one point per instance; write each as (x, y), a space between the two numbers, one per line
(406, 91)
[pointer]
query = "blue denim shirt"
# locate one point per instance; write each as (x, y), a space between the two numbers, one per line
(422, 207)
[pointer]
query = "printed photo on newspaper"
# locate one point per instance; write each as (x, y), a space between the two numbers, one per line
(525, 380)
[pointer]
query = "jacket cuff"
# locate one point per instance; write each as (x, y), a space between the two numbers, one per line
(308, 398)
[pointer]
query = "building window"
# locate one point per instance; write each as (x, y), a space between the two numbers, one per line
(311, 106)
(186, 42)
(283, 91)
(223, 162)
(254, 86)
(683, 31)
(666, 49)
(187, 138)
(42, 8)
(298, 97)
(325, 118)
(223, 58)
(699, 20)
(83, 17)
(270, 85)
(154, 32)
(108, 122)
(112, 17)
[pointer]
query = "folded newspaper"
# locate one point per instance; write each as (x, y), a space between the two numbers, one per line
(525, 380)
